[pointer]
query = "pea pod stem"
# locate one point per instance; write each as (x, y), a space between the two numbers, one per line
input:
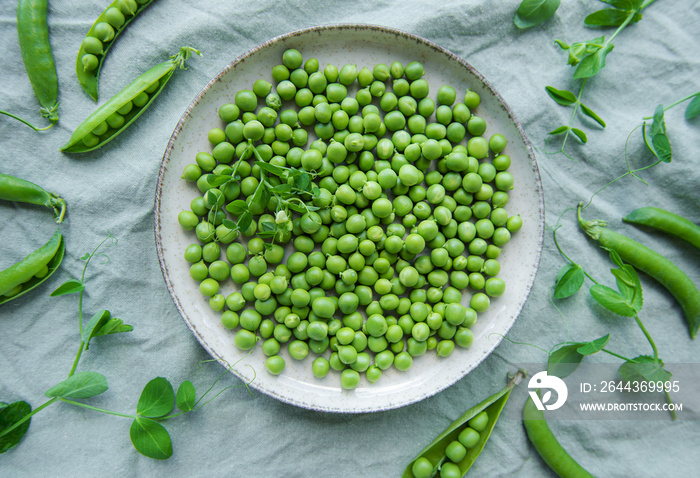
(653, 264)
(21, 190)
(547, 445)
(33, 35)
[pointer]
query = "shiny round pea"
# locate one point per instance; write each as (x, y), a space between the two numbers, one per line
(469, 437)
(320, 367)
(275, 364)
(244, 339)
(349, 379)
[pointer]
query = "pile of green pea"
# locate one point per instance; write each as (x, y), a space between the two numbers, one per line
(409, 213)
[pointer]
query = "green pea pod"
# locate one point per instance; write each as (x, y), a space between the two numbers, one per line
(103, 33)
(653, 264)
(32, 270)
(546, 444)
(435, 452)
(123, 108)
(667, 222)
(33, 33)
(20, 190)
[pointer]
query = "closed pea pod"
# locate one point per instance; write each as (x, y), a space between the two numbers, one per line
(667, 222)
(547, 446)
(32, 270)
(653, 264)
(434, 456)
(140, 94)
(20, 190)
(33, 34)
(101, 36)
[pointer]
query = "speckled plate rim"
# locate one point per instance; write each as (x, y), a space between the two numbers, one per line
(322, 28)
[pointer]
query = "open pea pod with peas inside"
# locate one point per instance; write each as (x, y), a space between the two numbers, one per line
(32, 270)
(103, 33)
(123, 108)
(20, 190)
(456, 449)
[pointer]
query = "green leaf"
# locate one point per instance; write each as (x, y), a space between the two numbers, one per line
(245, 220)
(70, 286)
(563, 361)
(615, 258)
(237, 207)
(93, 326)
(9, 415)
(85, 257)
(644, 369)
(662, 147)
(156, 398)
(534, 12)
(303, 181)
(81, 385)
(629, 285)
(569, 281)
(610, 17)
(592, 64)
(229, 224)
(591, 114)
(580, 135)
(186, 395)
(693, 108)
(114, 326)
(559, 130)
(272, 169)
(563, 97)
(612, 300)
(562, 44)
(151, 439)
(282, 188)
(658, 125)
(594, 346)
(216, 180)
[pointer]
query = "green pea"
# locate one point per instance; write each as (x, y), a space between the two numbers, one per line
(245, 339)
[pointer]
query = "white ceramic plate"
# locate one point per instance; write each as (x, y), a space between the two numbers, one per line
(363, 45)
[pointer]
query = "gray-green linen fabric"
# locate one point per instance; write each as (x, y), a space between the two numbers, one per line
(111, 191)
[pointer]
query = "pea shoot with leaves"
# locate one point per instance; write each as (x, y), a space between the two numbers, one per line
(626, 301)
(156, 403)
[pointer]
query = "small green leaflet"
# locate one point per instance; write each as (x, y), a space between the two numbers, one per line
(593, 63)
(114, 326)
(237, 207)
(612, 300)
(71, 286)
(594, 346)
(611, 17)
(579, 50)
(569, 281)
(151, 439)
(566, 359)
(591, 114)
(533, 12)
(567, 98)
(216, 180)
(660, 145)
(644, 369)
(9, 415)
(559, 130)
(93, 326)
(156, 399)
(563, 361)
(186, 395)
(693, 108)
(580, 135)
(563, 97)
(272, 169)
(81, 385)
